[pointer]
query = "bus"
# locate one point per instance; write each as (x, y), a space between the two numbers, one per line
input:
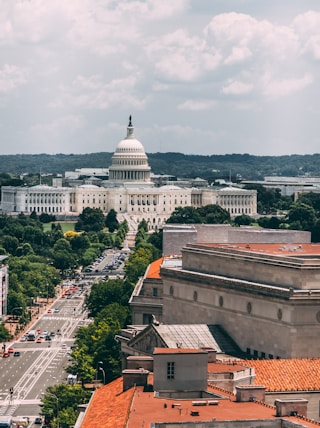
(6, 422)
(32, 335)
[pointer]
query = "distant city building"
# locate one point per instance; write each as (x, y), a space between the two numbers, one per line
(127, 188)
(288, 186)
(4, 281)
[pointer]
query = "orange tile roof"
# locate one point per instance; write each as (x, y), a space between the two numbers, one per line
(112, 408)
(146, 409)
(226, 368)
(279, 249)
(154, 269)
(108, 407)
(287, 374)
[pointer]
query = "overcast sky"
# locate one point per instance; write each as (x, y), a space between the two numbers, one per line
(197, 76)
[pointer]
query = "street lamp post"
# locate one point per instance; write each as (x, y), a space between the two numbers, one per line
(104, 375)
(17, 307)
(99, 364)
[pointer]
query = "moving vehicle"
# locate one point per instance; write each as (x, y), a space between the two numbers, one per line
(16, 354)
(38, 421)
(32, 335)
(5, 355)
(6, 422)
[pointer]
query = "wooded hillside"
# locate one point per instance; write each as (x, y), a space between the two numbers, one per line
(178, 164)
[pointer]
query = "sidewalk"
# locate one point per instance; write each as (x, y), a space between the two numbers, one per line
(36, 312)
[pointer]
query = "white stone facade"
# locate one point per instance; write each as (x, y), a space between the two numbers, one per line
(4, 281)
(128, 191)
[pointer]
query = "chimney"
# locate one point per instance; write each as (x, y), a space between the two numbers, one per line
(291, 407)
(246, 393)
(134, 377)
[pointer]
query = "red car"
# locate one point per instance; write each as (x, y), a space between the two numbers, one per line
(39, 340)
(6, 355)
(38, 331)
(49, 311)
(10, 350)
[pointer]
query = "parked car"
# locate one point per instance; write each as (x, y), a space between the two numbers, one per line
(23, 339)
(10, 350)
(16, 354)
(38, 420)
(5, 355)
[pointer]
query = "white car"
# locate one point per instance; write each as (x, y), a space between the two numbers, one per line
(23, 339)
(64, 346)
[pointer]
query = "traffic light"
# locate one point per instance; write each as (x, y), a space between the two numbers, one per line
(11, 391)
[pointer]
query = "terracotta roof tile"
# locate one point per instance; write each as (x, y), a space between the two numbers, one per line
(154, 269)
(109, 406)
(112, 408)
(287, 374)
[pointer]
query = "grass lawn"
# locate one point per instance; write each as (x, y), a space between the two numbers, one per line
(65, 225)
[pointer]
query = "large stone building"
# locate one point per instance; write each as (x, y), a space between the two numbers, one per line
(129, 191)
(266, 296)
(4, 281)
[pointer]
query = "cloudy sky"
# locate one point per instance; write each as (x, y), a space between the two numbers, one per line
(197, 76)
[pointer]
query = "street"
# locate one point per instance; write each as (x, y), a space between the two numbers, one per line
(24, 378)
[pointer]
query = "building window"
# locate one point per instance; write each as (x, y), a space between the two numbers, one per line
(195, 296)
(170, 370)
(171, 290)
(249, 307)
(279, 314)
(155, 292)
(221, 301)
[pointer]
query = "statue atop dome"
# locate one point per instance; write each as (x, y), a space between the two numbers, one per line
(130, 123)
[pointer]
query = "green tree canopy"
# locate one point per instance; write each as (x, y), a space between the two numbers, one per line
(302, 217)
(90, 220)
(111, 221)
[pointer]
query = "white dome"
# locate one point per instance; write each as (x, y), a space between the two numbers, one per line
(129, 161)
(130, 145)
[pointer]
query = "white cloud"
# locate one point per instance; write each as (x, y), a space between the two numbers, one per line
(11, 77)
(179, 60)
(283, 87)
(197, 105)
(237, 88)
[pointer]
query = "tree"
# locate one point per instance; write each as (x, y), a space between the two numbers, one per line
(4, 333)
(111, 221)
(301, 217)
(184, 215)
(137, 264)
(105, 293)
(10, 243)
(213, 214)
(60, 403)
(243, 219)
(91, 219)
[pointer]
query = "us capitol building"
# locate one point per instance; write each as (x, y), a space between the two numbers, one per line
(129, 191)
